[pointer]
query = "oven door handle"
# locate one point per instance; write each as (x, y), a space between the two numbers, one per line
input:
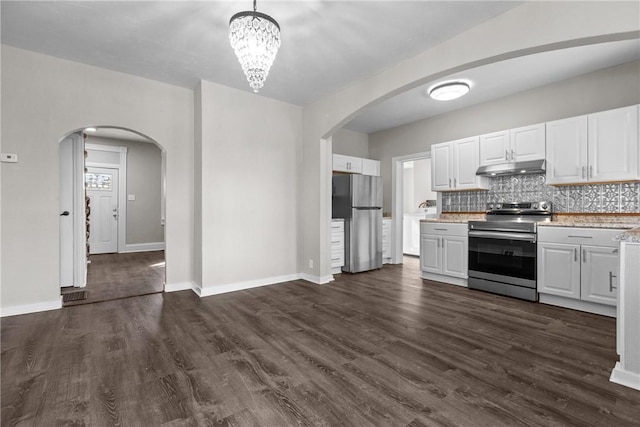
(504, 236)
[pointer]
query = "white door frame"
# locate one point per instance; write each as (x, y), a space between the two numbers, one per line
(122, 186)
(78, 213)
(397, 201)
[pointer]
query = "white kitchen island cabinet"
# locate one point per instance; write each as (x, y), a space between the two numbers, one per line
(454, 165)
(578, 268)
(627, 370)
(599, 147)
(444, 252)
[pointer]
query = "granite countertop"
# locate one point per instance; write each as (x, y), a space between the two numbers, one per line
(453, 218)
(630, 236)
(593, 221)
(588, 224)
(584, 221)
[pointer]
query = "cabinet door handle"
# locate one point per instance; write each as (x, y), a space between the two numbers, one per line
(584, 255)
(449, 182)
(611, 277)
(615, 251)
(455, 183)
(590, 172)
(440, 229)
(584, 172)
(506, 154)
(513, 155)
(580, 237)
(575, 254)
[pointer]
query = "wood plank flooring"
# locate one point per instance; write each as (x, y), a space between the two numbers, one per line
(114, 276)
(380, 348)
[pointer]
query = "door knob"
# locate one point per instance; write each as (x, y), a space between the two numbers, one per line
(65, 213)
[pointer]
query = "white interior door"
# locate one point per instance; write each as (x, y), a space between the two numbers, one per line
(73, 245)
(66, 212)
(102, 189)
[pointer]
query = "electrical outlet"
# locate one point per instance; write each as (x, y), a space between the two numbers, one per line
(310, 263)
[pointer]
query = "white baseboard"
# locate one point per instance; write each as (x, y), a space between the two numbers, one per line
(625, 378)
(316, 279)
(206, 291)
(574, 304)
(445, 279)
(143, 247)
(31, 308)
(175, 287)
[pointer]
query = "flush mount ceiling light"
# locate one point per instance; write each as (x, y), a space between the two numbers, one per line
(255, 37)
(448, 91)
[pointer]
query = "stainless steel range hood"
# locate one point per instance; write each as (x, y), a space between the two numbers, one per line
(513, 168)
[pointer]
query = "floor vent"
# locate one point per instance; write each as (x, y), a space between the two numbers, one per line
(74, 296)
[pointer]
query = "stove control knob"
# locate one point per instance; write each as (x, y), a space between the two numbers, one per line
(535, 206)
(544, 205)
(498, 206)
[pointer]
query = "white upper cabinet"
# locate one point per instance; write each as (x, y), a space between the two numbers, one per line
(567, 150)
(520, 144)
(347, 163)
(441, 167)
(528, 143)
(370, 167)
(494, 148)
(613, 145)
(454, 165)
(600, 147)
(358, 165)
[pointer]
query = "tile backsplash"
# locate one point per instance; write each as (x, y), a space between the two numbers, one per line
(591, 198)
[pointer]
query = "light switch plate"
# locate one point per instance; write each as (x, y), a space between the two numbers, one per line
(9, 158)
(131, 197)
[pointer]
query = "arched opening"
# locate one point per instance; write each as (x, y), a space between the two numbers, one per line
(112, 205)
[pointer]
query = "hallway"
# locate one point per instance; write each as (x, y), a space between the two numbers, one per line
(115, 276)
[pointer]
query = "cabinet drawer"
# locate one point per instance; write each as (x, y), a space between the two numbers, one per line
(579, 236)
(444, 228)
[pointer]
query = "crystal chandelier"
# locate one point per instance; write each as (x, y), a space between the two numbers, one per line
(255, 37)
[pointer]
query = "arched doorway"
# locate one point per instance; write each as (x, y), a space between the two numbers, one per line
(117, 212)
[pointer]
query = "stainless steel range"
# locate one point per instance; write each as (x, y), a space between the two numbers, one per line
(502, 249)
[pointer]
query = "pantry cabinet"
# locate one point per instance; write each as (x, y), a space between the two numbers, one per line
(444, 252)
(578, 264)
(599, 147)
(520, 144)
(454, 165)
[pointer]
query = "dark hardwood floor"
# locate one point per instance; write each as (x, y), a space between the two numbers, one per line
(379, 348)
(114, 276)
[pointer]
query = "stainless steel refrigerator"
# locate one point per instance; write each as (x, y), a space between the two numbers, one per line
(358, 199)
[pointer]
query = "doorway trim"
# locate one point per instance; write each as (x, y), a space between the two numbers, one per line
(397, 193)
(122, 186)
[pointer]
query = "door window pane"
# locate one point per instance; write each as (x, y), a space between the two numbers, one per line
(98, 181)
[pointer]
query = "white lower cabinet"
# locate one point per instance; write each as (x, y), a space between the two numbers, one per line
(386, 240)
(578, 268)
(444, 252)
(337, 246)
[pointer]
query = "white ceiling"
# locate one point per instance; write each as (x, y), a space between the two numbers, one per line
(326, 45)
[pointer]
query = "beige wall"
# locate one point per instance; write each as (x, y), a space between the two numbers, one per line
(144, 222)
(351, 143)
(45, 98)
(248, 150)
(602, 90)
